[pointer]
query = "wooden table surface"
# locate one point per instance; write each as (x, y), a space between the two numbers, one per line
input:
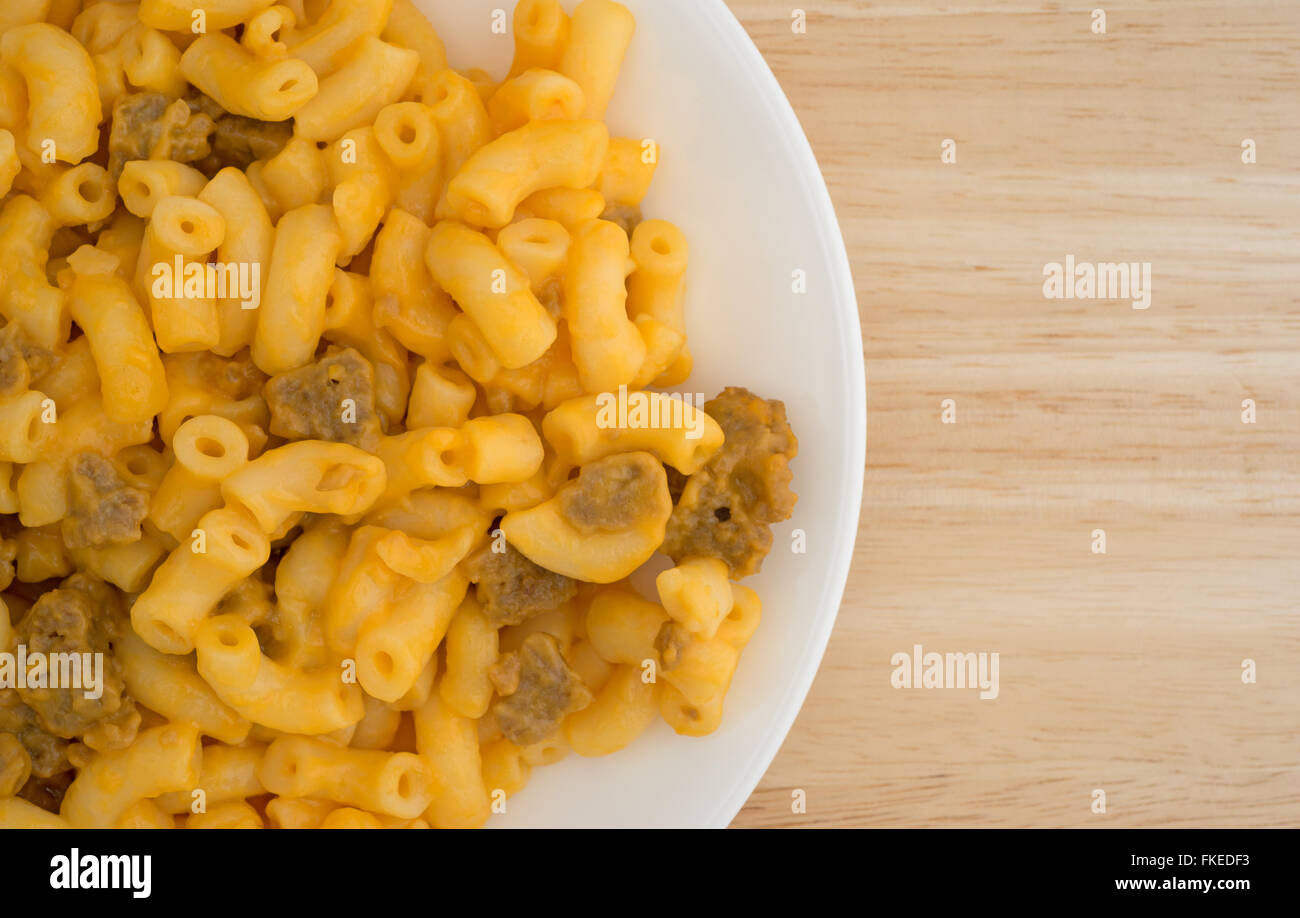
(1119, 671)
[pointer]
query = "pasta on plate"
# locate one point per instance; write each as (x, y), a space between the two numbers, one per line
(333, 427)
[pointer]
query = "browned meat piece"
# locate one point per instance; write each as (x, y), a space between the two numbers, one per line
(80, 617)
(235, 377)
(308, 403)
(512, 589)
(15, 765)
(183, 134)
(47, 792)
(613, 492)
(202, 104)
(236, 140)
(545, 690)
(148, 125)
(135, 128)
(104, 510)
(39, 360)
(48, 755)
(628, 218)
(670, 642)
(193, 130)
(728, 506)
(239, 141)
(15, 376)
(504, 674)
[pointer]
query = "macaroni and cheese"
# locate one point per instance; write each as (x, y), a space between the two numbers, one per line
(333, 491)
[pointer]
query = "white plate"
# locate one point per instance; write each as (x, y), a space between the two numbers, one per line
(738, 176)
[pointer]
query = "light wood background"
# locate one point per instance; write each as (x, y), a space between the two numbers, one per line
(1119, 671)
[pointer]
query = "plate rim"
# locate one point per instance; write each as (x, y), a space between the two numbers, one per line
(854, 409)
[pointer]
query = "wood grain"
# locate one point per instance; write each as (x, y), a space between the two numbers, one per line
(1119, 671)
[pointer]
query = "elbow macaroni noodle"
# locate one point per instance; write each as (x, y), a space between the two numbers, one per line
(329, 356)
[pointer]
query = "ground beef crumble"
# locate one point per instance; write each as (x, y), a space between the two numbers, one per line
(727, 508)
(537, 689)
